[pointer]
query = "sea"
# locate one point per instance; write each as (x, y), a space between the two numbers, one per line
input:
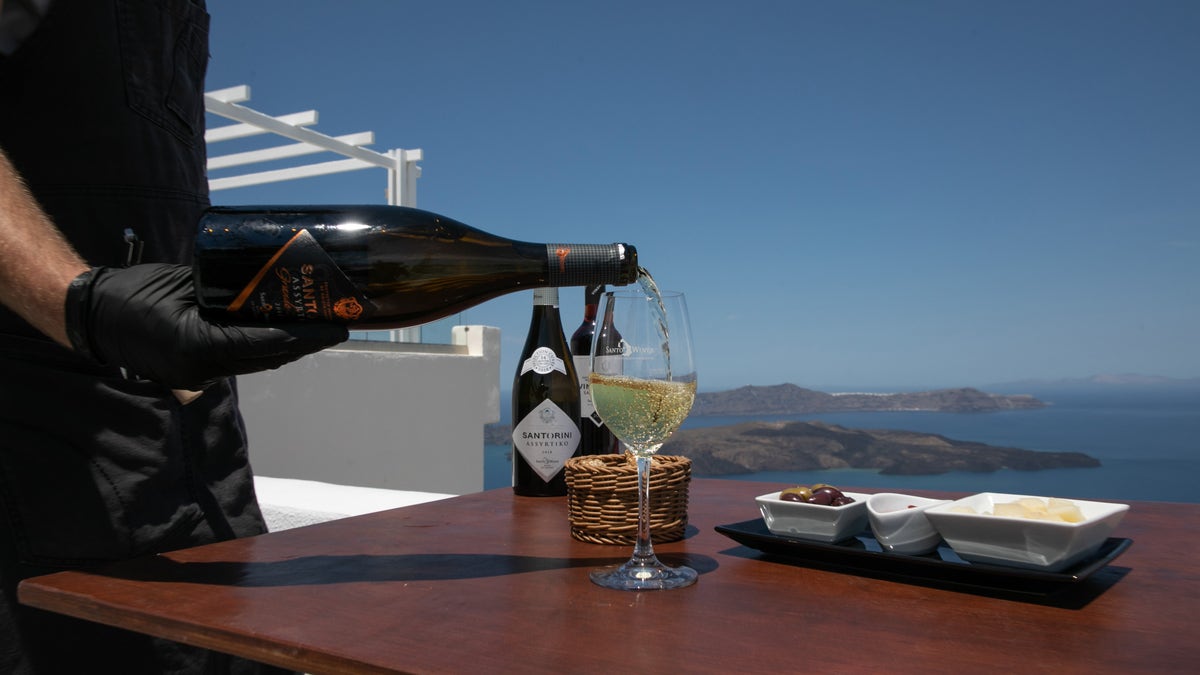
(1146, 438)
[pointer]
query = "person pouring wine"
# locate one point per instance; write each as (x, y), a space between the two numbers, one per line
(102, 185)
(99, 460)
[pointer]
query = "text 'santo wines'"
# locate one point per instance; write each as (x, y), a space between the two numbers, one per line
(545, 404)
(376, 266)
(595, 437)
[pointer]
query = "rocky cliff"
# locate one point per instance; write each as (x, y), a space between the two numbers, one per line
(805, 446)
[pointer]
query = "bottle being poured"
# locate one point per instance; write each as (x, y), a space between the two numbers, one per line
(376, 267)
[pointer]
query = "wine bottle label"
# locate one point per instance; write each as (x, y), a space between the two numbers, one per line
(301, 282)
(546, 438)
(543, 361)
(587, 409)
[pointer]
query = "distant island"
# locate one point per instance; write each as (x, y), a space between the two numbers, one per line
(1108, 381)
(789, 399)
(751, 447)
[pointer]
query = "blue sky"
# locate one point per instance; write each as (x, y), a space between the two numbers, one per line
(852, 194)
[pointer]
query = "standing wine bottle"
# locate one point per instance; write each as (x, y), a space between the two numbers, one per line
(376, 266)
(595, 438)
(545, 404)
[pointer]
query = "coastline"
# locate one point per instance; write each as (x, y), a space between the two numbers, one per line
(1147, 440)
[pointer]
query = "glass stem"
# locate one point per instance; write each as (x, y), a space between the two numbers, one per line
(643, 551)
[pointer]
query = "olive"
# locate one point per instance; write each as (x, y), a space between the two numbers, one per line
(822, 494)
(822, 497)
(796, 494)
(826, 495)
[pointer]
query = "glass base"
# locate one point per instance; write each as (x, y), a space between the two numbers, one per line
(644, 576)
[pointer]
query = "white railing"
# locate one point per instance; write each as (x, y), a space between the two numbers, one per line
(373, 414)
(400, 164)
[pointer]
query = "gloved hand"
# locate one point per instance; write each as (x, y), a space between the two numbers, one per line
(145, 319)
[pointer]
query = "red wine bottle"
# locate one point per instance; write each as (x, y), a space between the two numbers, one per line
(545, 404)
(376, 266)
(595, 437)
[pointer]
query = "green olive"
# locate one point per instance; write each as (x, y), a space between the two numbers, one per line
(800, 493)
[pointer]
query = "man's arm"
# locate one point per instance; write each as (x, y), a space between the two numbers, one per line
(142, 318)
(36, 262)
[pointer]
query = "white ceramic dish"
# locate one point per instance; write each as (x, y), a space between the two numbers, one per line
(814, 521)
(899, 523)
(1023, 542)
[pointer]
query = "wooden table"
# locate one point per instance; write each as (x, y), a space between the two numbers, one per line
(492, 583)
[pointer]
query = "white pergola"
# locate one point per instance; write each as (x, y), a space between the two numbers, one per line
(401, 165)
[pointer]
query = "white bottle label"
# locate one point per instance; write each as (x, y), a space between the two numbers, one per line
(587, 409)
(546, 438)
(543, 360)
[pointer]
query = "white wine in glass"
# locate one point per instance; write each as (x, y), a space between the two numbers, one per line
(643, 390)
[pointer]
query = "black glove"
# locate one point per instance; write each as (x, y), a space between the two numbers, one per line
(145, 319)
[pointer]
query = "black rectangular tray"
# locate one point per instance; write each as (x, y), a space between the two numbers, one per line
(863, 553)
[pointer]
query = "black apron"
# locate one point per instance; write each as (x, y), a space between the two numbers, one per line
(101, 111)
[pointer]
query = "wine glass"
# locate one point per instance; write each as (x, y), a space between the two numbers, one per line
(643, 389)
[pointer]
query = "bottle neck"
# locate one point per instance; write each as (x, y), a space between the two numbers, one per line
(545, 297)
(591, 264)
(606, 331)
(591, 303)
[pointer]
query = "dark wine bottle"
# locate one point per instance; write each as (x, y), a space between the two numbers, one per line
(595, 437)
(376, 266)
(545, 404)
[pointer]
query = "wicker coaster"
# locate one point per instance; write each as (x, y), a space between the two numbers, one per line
(602, 498)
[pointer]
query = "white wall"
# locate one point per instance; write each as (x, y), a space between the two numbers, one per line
(386, 415)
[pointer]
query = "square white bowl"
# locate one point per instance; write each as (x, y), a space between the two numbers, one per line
(899, 524)
(1022, 542)
(815, 522)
